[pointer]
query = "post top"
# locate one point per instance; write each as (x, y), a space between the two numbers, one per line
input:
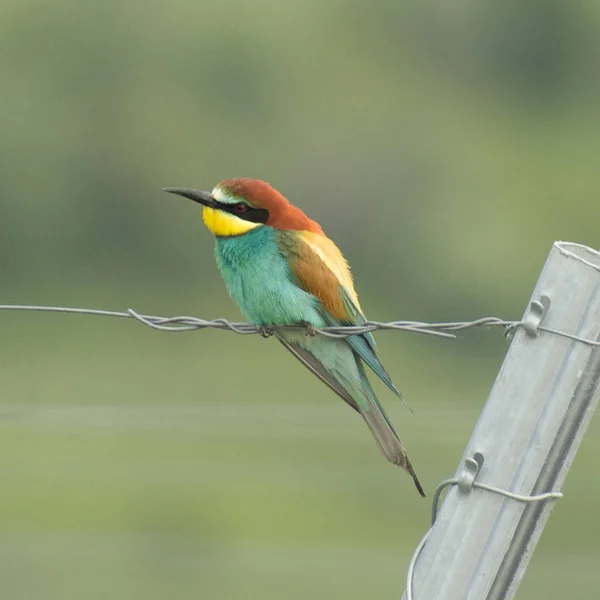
(584, 254)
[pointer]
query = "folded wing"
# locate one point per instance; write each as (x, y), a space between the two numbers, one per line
(320, 268)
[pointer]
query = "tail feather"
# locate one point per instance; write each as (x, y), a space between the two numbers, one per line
(383, 431)
(356, 391)
(389, 443)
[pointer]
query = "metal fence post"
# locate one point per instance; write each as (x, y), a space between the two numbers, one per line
(528, 433)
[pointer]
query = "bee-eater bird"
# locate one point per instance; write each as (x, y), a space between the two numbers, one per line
(281, 269)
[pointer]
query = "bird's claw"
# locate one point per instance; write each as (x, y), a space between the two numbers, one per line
(266, 331)
(310, 329)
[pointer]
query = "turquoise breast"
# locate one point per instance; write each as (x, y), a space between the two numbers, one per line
(259, 279)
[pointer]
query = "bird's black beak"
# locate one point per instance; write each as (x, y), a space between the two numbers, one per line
(203, 198)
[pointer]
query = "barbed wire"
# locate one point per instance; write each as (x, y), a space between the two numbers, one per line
(189, 323)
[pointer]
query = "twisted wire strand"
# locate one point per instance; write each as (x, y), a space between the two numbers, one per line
(189, 323)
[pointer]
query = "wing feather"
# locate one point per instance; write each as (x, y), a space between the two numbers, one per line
(320, 269)
(315, 367)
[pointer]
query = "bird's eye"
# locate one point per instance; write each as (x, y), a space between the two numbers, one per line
(240, 208)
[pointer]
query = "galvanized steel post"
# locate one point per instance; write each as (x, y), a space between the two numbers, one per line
(528, 433)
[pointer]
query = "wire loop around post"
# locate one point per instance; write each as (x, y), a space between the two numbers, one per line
(466, 481)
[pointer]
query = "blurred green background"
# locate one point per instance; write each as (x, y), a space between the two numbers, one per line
(443, 146)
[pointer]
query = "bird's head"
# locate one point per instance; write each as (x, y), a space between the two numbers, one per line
(237, 206)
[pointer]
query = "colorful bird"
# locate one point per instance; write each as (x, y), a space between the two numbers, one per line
(281, 269)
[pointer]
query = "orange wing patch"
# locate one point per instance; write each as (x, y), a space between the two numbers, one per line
(321, 270)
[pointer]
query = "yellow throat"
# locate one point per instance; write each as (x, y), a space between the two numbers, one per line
(224, 224)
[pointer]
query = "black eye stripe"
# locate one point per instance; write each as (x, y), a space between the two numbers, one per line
(248, 213)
